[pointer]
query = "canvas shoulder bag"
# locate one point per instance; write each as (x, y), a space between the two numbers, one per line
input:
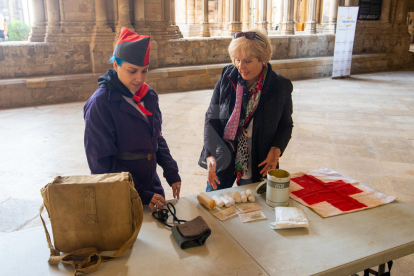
(89, 214)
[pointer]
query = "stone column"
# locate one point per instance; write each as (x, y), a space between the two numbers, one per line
(205, 25)
(281, 6)
(53, 20)
(262, 24)
(37, 13)
(296, 14)
(385, 11)
(139, 18)
(235, 15)
(101, 19)
(167, 12)
(173, 22)
(220, 14)
(270, 18)
(227, 15)
(123, 15)
(401, 11)
(173, 13)
(256, 13)
(288, 25)
(246, 11)
(191, 12)
(310, 25)
(101, 44)
(333, 13)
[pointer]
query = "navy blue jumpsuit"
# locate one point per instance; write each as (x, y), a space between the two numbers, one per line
(114, 126)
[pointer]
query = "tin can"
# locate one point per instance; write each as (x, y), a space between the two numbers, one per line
(277, 190)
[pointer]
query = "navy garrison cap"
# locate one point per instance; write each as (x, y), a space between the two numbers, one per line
(133, 48)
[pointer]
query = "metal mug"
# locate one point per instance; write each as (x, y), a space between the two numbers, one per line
(277, 189)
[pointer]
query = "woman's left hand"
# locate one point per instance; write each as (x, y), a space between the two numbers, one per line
(271, 161)
(176, 187)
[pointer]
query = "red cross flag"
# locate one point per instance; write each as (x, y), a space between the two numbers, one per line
(330, 193)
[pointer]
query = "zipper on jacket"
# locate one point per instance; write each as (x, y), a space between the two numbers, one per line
(232, 83)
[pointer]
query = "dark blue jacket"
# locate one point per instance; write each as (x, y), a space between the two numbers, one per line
(272, 126)
(113, 126)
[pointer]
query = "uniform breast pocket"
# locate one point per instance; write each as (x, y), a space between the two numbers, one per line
(156, 127)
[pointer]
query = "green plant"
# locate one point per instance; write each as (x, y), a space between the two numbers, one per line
(18, 31)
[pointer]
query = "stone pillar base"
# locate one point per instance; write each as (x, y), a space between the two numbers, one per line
(190, 30)
(262, 25)
(205, 29)
(38, 32)
(287, 28)
(52, 32)
(141, 28)
(101, 50)
(234, 27)
(310, 27)
(100, 29)
(71, 32)
(330, 29)
(160, 31)
(37, 35)
(101, 47)
(126, 25)
(153, 55)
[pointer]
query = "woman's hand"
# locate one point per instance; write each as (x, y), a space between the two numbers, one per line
(271, 160)
(157, 200)
(211, 169)
(176, 187)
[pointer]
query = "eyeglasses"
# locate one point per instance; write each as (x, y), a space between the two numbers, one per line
(249, 35)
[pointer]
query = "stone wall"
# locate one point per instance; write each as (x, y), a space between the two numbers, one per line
(380, 37)
(47, 90)
(52, 58)
(37, 59)
(70, 88)
(194, 51)
(44, 59)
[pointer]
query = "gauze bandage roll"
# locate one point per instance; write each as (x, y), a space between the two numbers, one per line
(207, 201)
(250, 195)
(243, 196)
(226, 202)
(237, 197)
(218, 201)
(229, 198)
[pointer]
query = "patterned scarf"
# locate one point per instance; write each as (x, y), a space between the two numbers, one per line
(244, 108)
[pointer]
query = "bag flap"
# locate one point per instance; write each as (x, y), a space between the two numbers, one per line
(90, 214)
(94, 178)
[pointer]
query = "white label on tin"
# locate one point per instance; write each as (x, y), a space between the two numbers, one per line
(277, 195)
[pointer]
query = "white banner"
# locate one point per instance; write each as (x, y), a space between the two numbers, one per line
(344, 41)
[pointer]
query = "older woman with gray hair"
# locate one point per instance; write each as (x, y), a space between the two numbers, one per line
(249, 123)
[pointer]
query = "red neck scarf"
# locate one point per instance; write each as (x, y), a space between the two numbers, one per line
(142, 91)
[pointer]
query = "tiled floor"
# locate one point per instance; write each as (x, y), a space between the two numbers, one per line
(362, 126)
